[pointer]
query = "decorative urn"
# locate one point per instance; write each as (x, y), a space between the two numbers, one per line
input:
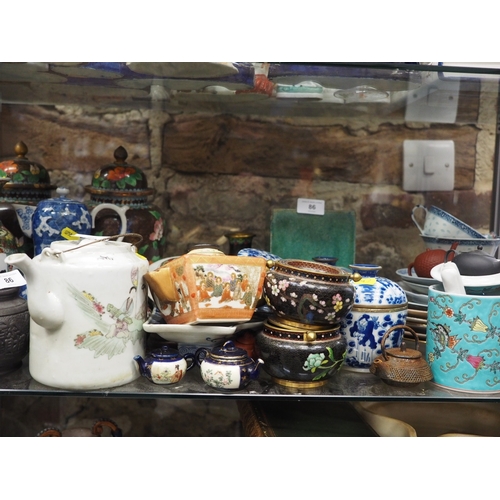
(125, 186)
(29, 183)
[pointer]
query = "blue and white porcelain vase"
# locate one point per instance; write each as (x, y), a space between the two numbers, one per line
(379, 304)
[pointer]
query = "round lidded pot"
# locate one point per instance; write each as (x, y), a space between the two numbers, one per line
(379, 305)
(227, 367)
(300, 358)
(14, 329)
(126, 187)
(304, 292)
(164, 365)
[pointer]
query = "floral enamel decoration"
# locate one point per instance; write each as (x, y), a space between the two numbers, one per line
(463, 341)
(308, 293)
(323, 364)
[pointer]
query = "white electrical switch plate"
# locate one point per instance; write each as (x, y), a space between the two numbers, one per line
(428, 165)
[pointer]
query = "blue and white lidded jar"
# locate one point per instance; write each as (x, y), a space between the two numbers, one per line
(379, 304)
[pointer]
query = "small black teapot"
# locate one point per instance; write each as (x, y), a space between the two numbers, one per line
(477, 263)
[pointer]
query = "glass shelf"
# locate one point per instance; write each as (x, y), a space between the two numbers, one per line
(233, 87)
(344, 386)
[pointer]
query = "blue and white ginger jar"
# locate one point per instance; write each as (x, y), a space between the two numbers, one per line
(379, 304)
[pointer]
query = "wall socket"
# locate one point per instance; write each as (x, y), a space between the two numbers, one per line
(428, 165)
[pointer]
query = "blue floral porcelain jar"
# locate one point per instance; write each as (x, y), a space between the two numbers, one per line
(379, 304)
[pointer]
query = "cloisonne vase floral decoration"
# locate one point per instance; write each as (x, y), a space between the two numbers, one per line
(126, 187)
(309, 293)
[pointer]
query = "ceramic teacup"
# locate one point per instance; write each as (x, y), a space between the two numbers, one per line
(441, 224)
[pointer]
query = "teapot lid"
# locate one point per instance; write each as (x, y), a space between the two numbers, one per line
(25, 175)
(165, 353)
(229, 351)
(62, 197)
(402, 352)
(119, 179)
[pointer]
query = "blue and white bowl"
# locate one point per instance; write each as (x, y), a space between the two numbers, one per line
(489, 245)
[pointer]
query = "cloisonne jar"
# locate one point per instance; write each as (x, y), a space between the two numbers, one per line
(29, 184)
(380, 304)
(126, 187)
(301, 344)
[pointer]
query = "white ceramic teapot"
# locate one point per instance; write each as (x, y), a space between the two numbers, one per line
(87, 301)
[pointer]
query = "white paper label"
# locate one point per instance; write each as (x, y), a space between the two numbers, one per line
(11, 279)
(308, 206)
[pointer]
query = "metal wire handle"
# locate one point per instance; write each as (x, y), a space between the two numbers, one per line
(104, 238)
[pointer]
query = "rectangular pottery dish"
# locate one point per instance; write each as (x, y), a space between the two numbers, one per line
(208, 288)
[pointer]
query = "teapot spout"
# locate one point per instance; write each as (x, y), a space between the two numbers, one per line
(255, 372)
(141, 364)
(44, 307)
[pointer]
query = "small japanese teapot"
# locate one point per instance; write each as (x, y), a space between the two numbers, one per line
(226, 367)
(400, 366)
(165, 365)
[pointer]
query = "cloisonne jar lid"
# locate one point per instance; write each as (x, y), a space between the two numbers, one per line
(119, 180)
(29, 180)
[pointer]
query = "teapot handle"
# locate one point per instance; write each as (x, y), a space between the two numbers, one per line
(392, 329)
(190, 359)
(200, 355)
(452, 250)
(119, 210)
(415, 208)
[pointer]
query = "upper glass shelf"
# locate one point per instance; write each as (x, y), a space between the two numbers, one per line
(241, 87)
